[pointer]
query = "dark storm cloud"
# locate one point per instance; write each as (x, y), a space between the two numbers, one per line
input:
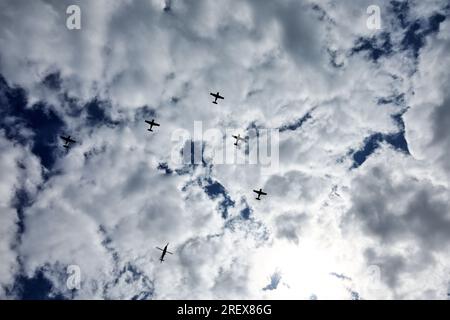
(412, 212)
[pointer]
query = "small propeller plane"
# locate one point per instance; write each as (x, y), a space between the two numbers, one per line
(260, 193)
(67, 141)
(152, 124)
(164, 251)
(216, 96)
(238, 138)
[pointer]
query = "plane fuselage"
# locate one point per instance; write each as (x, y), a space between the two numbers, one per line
(259, 193)
(216, 96)
(164, 251)
(163, 254)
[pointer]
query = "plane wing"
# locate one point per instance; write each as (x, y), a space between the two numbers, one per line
(159, 248)
(148, 122)
(67, 139)
(169, 252)
(260, 192)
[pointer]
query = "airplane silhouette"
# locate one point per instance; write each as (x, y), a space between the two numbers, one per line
(164, 251)
(152, 123)
(217, 96)
(238, 138)
(67, 141)
(260, 193)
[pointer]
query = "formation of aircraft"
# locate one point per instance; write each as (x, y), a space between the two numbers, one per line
(259, 193)
(238, 138)
(164, 251)
(152, 124)
(216, 96)
(67, 141)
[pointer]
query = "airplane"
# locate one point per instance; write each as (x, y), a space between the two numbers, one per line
(152, 123)
(164, 251)
(67, 141)
(238, 137)
(260, 193)
(217, 96)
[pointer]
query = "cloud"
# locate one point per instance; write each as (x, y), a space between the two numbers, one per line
(342, 95)
(21, 172)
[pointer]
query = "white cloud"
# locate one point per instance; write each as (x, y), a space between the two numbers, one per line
(108, 205)
(20, 171)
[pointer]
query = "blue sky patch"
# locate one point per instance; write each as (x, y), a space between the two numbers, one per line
(375, 47)
(53, 81)
(246, 212)
(398, 99)
(41, 120)
(296, 124)
(37, 287)
(214, 190)
(372, 143)
(414, 38)
(401, 10)
(274, 281)
(163, 166)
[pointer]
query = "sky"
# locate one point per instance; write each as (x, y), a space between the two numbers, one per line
(357, 179)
